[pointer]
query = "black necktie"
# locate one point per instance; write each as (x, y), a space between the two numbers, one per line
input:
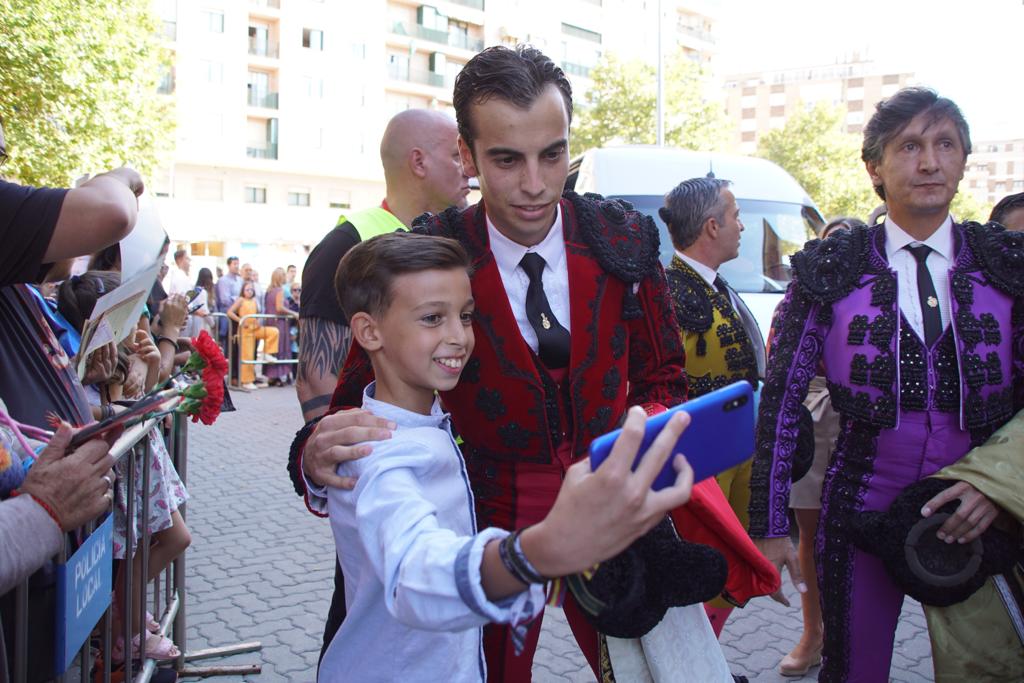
(552, 338)
(926, 292)
(748, 320)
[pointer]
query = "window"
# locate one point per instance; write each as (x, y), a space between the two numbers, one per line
(890, 79)
(313, 87)
(855, 83)
(581, 33)
(313, 38)
(340, 199)
(359, 50)
(166, 85)
(749, 136)
(398, 67)
(429, 17)
(255, 195)
(209, 189)
(748, 113)
(778, 88)
(748, 90)
(1009, 147)
(214, 21)
(213, 72)
(855, 105)
(777, 111)
(298, 198)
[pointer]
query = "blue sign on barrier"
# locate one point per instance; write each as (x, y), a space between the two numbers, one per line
(83, 592)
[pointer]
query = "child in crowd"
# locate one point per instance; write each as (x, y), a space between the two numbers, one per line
(136, 370)
(420, 578)
(251, 331)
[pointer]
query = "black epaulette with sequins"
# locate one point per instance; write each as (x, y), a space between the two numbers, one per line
(829, 269)
(1000, 254)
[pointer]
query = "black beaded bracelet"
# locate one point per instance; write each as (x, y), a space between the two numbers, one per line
(161, 338)
(512, 557)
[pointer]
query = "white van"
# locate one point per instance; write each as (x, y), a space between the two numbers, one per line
(777, 214)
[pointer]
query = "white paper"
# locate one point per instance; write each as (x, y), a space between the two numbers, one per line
(116, 314)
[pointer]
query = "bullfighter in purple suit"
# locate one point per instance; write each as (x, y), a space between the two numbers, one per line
(919, 322)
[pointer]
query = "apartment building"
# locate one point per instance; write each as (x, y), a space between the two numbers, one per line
(761, 101)
(281, 103)
(994, 170)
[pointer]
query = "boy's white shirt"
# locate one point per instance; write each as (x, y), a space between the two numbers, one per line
(407, 541)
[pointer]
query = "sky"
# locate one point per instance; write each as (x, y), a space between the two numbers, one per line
(971, 51)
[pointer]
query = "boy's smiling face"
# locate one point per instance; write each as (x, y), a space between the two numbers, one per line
(423, 340)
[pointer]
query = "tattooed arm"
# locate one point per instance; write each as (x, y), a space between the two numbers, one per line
(323, 346)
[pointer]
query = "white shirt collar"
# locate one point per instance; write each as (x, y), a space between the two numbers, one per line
(940, 241)
(709, 274)
(508, 254)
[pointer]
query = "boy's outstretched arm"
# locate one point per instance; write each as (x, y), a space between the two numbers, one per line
(599, 514)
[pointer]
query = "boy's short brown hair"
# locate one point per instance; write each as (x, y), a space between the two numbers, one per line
(365, 275)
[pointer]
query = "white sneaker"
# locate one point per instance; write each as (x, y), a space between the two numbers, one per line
(249, 386)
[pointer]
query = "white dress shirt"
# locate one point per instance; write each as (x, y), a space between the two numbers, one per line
(555, 277)
(178, 281)
(408, 544)
(904, 264)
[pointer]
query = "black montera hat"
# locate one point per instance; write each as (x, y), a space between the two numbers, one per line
(928, 569)
(629, 594)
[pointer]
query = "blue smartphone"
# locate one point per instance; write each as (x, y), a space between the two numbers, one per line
(720, 435)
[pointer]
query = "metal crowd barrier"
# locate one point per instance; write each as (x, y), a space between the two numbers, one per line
(233, 347)
(169, 591)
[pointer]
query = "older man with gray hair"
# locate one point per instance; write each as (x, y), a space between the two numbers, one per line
(722, 339)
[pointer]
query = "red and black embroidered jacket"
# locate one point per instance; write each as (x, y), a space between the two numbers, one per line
(625, 347)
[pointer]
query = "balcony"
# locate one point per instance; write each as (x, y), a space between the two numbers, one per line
(695, 32)
(421, 76)
(475, 4)
(458, 40)
(266, 151)
(263, 49)
(573, 69)
(265, 100)
(272, 4)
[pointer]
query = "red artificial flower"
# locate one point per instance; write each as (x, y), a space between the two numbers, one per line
(210, 353)
(209, 409)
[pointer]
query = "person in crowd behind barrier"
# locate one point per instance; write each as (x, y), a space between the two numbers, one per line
(1009, 212)
(805, 501)
(137, 371)
(274, 304)
(61, 491)
(290, 273)
(250, 332)
(229, 288)
(204, 301)
(179, 281)
(40, 226)
(293, 305)
(422, 173)
(720, 335)
(422, 577)
(917, 321)
(108, 258)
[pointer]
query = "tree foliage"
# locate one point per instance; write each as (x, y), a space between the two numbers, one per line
(814, 147)
(621, 107)
(78, 88)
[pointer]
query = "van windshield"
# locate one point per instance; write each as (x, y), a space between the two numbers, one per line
(773, 231)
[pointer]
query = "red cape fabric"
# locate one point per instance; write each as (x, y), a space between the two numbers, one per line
(708, 519)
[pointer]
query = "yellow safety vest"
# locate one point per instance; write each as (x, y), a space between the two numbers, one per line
(372, 222)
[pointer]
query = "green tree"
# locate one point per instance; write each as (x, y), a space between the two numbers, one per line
(78, 88)
(621, 107)
(814, 147)
(966, 207)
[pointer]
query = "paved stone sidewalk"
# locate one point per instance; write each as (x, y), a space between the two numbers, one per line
(261, 567)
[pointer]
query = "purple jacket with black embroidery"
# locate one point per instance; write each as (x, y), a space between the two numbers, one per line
(842, 308)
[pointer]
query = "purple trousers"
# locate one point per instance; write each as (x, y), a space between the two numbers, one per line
(860, 602)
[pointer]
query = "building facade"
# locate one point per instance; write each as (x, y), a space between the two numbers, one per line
(761, 101)
(281, 103)
(994, 170)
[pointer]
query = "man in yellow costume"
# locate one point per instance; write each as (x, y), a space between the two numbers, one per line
(722, 340)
